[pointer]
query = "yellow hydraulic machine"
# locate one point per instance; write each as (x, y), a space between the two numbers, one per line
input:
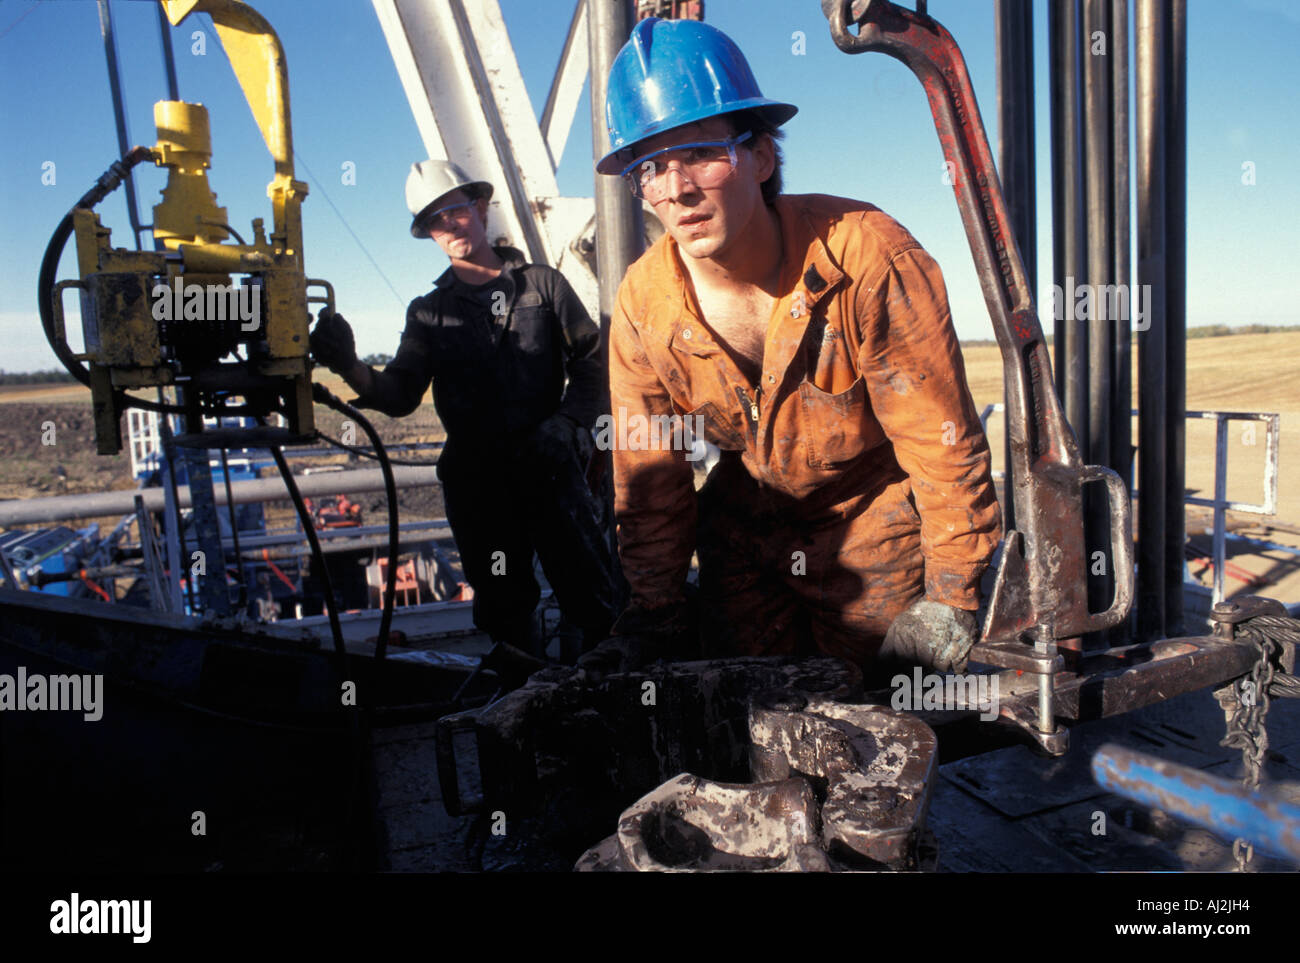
(216, 319)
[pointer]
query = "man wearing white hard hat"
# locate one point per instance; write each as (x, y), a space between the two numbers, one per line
(499, 338)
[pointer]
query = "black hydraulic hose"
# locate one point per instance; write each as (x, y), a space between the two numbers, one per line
(317, 557)
(234, 531)
(323, 395)
(356, 735)
(367, 453)
(169, 453)
(107, 183)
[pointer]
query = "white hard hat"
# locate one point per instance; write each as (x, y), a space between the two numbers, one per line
(429, 181)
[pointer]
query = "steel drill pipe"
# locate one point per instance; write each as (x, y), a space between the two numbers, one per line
(1121, 458)
(1070, 241)
(619, 230)
(1015, 58)
(1153, 413)
(1175, 281)
(1098, 176)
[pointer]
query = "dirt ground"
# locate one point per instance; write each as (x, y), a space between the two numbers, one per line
(37, 460)
(1256, 372)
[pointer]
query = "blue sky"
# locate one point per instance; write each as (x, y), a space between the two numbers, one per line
(864, 130)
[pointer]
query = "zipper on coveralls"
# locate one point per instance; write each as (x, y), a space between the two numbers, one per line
(752, 406)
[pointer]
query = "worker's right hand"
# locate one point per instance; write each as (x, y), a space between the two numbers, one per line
(639, 637)
(559, 438)
(332, 343)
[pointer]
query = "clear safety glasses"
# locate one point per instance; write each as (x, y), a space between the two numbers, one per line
(448, 217)
(703, 163)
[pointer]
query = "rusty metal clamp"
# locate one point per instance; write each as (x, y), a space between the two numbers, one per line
(1041, 585)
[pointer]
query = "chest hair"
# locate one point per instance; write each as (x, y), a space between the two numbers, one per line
(740, 325)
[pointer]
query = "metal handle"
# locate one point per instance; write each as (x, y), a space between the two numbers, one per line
(1121, 546)
(447, 731)
(60, 328)
(327, 300)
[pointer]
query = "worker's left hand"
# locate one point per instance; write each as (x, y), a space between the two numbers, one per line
(559, 438)
(933, 635)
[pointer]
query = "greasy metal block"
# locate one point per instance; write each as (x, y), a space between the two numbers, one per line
(837, 787)
(621, 736)
(873, 766)
(604, 857)
(690, 824)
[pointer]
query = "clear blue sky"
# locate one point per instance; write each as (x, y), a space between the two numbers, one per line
(863, 130)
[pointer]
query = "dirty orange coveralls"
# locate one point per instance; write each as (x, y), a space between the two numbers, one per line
(855, 476)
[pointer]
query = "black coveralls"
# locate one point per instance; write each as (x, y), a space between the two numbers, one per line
(496, 375)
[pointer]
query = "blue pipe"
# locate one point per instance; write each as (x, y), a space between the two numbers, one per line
(1268, 822)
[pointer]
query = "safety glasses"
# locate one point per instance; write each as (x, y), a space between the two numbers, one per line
(704, 163)
(448, 217)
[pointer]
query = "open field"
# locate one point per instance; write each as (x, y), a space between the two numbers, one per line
(1253, 372)
(1246, 373)
(29, 468)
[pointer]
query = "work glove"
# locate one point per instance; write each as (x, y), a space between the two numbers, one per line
(559, 438)
(639, 637)
(332, 343)
(933, 635)
(512, 665)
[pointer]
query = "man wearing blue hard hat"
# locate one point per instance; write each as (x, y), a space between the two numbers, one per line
(852, 511)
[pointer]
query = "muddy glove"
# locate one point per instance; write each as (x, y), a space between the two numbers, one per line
(559, 438)
(933, 635)
(332, 343)
(639, 637)
(512, 665)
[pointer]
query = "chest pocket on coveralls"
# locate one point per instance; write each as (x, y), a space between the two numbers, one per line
(531, 324)
(458, 343)
(837, 428)
(719, 430)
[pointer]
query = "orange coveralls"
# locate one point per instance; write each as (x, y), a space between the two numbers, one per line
(855, 476)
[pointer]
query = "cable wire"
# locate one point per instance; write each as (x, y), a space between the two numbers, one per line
(323, 395)
(348, 227)
(355, 732)
(317, 555)
(234, 531)
(368, 453)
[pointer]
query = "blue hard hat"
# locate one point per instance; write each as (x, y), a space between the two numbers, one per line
(675, 72)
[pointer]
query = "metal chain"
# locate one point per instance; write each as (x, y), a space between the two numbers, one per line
(1246, 729)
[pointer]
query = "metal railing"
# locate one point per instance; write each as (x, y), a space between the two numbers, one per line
(1220, 502)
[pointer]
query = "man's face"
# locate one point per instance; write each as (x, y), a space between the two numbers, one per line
(706, 222)
(461, 232)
